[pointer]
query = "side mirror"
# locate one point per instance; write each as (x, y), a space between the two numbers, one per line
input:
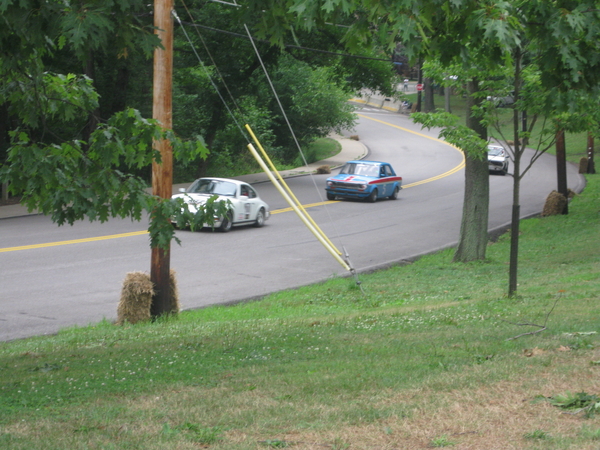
(181, 189)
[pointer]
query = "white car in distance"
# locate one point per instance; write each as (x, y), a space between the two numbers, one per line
(497, 159)
(246, 208)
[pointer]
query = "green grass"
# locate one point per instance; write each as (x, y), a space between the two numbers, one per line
(324, 148)
(318, 150)
(421, 356)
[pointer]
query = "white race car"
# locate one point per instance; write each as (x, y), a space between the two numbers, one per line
(497, 159)
(246, 206)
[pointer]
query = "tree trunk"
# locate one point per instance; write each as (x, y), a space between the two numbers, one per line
(420, 81)
(429, 98)
(474, 226)
(590, 154)
(515, 218)
(516, 207)
(561, 167)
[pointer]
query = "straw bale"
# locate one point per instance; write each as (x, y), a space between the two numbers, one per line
(175, 306)
(136, 298)
(555, 204)
(323, 169)
(583, 165)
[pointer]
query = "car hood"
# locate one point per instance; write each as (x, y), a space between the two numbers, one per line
(345, 178)
(197, 199)
(496, 158)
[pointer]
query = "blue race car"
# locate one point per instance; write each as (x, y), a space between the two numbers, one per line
(368, 180)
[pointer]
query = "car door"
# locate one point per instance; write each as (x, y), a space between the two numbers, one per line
(383, 186)
(388, 186)
(249, 202)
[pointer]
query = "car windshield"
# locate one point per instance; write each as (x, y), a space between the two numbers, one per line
(495, 151)
(212, 187)
(368, 170)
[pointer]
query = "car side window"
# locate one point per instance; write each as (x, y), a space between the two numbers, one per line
(388, 171)
(244, 191)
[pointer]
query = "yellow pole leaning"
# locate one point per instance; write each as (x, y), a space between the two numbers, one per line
(312, 229)
(289, 191)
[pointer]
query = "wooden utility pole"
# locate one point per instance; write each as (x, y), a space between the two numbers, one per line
(162, 174)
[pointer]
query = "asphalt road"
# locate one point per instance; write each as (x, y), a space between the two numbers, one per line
(48, 287)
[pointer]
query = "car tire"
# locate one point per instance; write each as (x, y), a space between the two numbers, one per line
(260, 218)
(372, 198)
(505, 170)
(394, 195)
(330, 196)
(227, 223)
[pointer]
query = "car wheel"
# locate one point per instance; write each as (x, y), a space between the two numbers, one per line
(330, 196)
(260, 218)
(372, 198)
(394, 195)
(227, 222)
(505, 170)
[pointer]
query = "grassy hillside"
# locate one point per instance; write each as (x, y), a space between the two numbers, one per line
(431, 354)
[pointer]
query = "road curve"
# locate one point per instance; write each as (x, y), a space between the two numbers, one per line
(46, 285)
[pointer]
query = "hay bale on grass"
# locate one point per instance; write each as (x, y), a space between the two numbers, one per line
(323, 169)
(354, 137)
(555, 204)
(136, 297)
(175, 307)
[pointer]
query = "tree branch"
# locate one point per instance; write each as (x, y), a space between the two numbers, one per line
(541, 327)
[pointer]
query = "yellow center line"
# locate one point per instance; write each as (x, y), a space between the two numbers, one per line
(437, 177)
(74, 241)
(310, 205)
(276, 211)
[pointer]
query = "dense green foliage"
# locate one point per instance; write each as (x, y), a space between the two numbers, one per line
(218, 91)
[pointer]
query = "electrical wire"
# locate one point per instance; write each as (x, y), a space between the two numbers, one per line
(299, 47)
(347, 256)
(252, 41)
(239, 126)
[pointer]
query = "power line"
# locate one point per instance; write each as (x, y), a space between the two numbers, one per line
(239, 35)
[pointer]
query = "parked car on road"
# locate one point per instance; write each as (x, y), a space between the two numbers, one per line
(246, 208)
(368, 180)
(497, 159)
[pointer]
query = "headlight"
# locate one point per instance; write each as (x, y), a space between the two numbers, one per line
(330, 183)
